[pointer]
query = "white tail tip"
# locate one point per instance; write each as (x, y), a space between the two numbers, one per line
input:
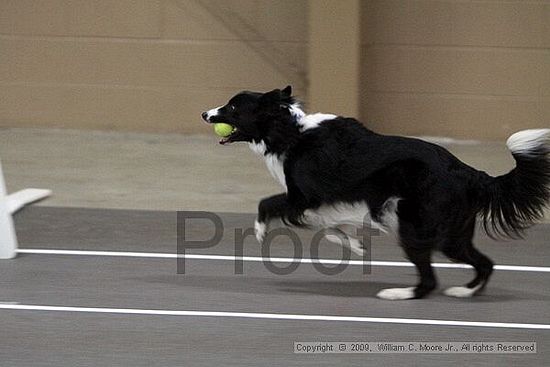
(526, 141)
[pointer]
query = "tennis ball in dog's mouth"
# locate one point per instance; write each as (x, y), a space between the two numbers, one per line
(223, 129)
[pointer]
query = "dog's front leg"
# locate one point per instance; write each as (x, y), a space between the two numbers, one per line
(270, 208)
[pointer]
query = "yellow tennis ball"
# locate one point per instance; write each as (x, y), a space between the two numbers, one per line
(222, 129)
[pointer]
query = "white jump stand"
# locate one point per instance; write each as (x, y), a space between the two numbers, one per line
(9, 204)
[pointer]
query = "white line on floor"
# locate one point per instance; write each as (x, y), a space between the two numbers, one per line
(274, 316)
(542, 269)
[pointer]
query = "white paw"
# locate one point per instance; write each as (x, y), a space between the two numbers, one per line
(396, 293)
(260, 229)
(357, 247)
(354, 245)
(334, 238)
(461, 292)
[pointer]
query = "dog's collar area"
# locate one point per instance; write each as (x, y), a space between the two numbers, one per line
(296, 112)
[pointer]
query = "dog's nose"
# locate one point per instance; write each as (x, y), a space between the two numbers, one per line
(204, 116)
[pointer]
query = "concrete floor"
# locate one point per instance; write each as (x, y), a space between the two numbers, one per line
(82, 337)
(160, 172)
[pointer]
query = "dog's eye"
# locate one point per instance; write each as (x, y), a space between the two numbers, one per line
(231, 107)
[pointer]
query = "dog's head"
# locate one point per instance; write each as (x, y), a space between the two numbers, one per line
(254, 115)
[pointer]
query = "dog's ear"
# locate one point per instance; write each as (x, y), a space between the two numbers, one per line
(286, 92)
(273, 97)
(277, 97)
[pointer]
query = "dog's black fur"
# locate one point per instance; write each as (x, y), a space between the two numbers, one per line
(341, 161)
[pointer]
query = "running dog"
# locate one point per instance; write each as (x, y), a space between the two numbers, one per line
(338, 174)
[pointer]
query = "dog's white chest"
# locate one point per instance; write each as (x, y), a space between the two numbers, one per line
(274, 163)
(275, 166)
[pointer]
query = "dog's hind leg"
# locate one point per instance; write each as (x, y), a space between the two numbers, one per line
(482, 265)
(459, 247)
(422, 260)
(417, 234)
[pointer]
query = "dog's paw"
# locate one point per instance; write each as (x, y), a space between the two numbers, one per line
(396, 293)
(461, 292)
(342, 239)
(357, 247)
(260, 229)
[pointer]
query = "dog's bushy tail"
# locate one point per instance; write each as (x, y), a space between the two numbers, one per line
(513, 202)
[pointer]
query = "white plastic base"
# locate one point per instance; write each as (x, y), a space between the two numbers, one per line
(9, 204)
(18, 199)
(8, 241)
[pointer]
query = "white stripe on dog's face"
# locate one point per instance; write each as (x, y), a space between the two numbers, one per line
(213, 112)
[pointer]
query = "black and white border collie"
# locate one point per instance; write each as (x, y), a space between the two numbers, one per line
(337, 173)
